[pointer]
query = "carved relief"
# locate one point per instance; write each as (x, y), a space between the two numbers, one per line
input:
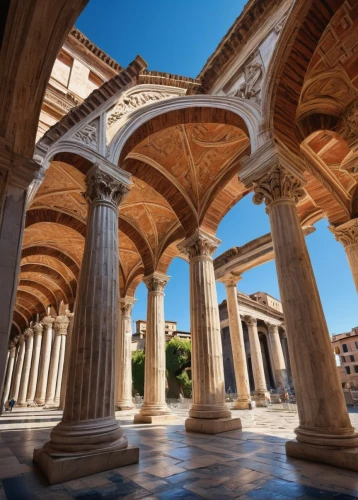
(330, 87)
(103, 187)
(88, 135)
(134, 101)
(251, 73)
(278, 184)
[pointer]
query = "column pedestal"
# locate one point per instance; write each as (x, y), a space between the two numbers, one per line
(208, 413)
(89, 439)
(154, 408)
(325, 433)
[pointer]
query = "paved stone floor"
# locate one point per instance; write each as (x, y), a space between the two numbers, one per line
(247, 464)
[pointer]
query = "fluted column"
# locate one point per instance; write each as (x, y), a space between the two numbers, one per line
(61, 324)
(347, 234)
(88, 426)
(14, 393)
(45, 358)
(278, 360)
(29, 339)
(66, 363)
(208, 413)
(323, 415)
(10, 371)
(57, 353)
(258, 371)
(124, 355)
(154, 408)
(237, 342)
(34, 372)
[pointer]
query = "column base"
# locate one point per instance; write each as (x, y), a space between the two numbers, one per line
(124, 406)
(346, 458)
(58, 470)
(241, 405)
(50, 405)
(21, 405)
(154, 419)
(212, 426)
(261, 397)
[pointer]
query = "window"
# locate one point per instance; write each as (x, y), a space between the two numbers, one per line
(356, 368)
(345, 348)
(348, 370)
(352, 357)
(343, 358)
(356, 343)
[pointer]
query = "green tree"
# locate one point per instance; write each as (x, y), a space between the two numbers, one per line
(178, 362)
(138, 361)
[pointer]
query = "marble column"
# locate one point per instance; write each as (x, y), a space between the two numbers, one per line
(10, 371)
(124, 355)
(154, 408)
(45, 359)
(66, 363)
(14, 394)
(347, 234)
(278, 360)
(29, 340)
(61, 324)
(286, 355)
(57, 352)
(260, 394)
(89, 439)
(208, 413)
(325, 433)
(237, 342)
(34, 372)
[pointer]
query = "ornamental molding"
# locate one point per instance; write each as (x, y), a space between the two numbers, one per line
(199, 244)
(105, 186)
(278, 184)
(61, 325)
(156, 282)
(346, 233)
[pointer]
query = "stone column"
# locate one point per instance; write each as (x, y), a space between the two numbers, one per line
(325, 431)
(237, 342)
(29, 340)
(347, 234)
(40, 397)
(258, 371)
(208, 413)
(89, 432)
(66, 363)
(10, 371)
(286, 355)
(16, 174)
(62, 323)
(14, 394)
(124, 355)
(57, 353)
(154, 408)
(34, 372)
(278, 360)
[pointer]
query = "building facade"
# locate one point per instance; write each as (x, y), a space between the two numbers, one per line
(346, 348)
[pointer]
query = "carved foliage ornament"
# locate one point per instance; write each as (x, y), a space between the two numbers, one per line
(250, 320)
(200, 244)
(156, 283)
(61, 325)
(278, 184)
(87, 135)
(37, 328)
(103, 187)
(126, 307)
(28, 333)
(347, 233)
(47, 321)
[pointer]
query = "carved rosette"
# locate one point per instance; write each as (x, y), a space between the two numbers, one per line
(250, 320)
(61, 325)
(102, 187)
(38, 328)
(200, 244)
(156, 282)
(126, 306)
(278, 184)
(28, 333)
(346, 233)
(47, 321)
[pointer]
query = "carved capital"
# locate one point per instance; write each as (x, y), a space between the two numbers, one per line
(156, 282)
(346, 233)
(28, 333)
(21, 339)
(272, 328)
(12, 347)
(69, 314)
(250, 320)
(126, 306)
(47, 321)
(104, 187)
(199, 244)
(277, 184)
(230, 279)
(61, 325)
(38, 328)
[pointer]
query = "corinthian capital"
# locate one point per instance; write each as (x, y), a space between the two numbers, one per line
(156, 282)
(61, 325)
(199, 244)
(277, 184)
(37, 328)
(47, 321)
(250, 320)
(346, 233)
(126, 305)
(104, 186)
(28, 333)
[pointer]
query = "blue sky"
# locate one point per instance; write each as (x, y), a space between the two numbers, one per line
(178, 37)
